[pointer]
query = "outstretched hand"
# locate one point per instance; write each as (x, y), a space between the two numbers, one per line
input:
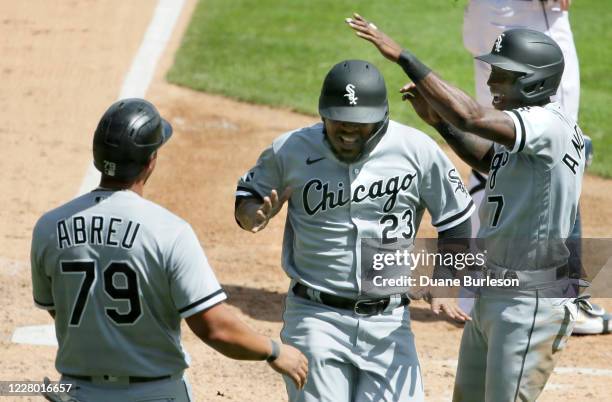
(419, 103)
(271, 205)
(450, 307)
(292, 363)
(370, 32)
(447, 305)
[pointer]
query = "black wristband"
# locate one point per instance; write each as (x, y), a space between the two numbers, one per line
(447, 131)
(275, 351)
(443, 128)
(412, 66)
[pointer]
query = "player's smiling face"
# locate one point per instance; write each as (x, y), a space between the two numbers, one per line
(348, 139)
(501, 83)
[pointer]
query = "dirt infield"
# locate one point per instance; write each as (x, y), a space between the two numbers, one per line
(64, 65)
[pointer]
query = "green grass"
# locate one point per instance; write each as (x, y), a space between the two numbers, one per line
(277, 52)
(592, 26)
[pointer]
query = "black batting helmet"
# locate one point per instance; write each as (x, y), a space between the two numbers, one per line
(354, 91)
(533, 54)
(128, 133)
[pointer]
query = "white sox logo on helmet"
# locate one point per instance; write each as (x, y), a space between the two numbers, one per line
(350, 94)
(498, 43)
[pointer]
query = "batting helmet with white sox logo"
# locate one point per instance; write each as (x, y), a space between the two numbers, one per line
(354, 91)
(128, 133)
(535, 56)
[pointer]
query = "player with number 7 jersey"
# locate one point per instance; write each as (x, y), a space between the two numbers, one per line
(535, 156)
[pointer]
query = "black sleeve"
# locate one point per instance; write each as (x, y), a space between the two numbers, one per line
(452, 240)
(460, 232)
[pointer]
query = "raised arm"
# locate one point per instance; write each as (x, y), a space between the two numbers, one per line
(453, 105)
(473, 150)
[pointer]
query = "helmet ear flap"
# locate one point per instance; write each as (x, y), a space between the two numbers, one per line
(536, 91)
(535, 87)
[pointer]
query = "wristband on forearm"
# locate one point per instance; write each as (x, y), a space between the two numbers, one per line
(457, 238)
(412, 66)
(445, 130)
(275, 351)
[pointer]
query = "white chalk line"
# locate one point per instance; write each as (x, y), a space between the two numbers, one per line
(135, 85)
(140, 74)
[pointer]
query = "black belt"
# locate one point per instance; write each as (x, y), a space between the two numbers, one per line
(360, 307)
(109, 378)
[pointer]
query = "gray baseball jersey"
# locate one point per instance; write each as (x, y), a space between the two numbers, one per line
(334, 204)
(510, 347)
(532, 192)
(120, 272)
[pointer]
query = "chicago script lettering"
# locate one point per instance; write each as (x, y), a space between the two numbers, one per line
(317, 196)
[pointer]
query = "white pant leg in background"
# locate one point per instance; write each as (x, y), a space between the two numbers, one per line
(485, 20)
(568, 94)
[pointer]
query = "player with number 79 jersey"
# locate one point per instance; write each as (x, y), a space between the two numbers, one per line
(118, 272)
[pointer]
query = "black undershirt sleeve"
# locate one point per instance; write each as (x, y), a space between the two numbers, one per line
(452, 240)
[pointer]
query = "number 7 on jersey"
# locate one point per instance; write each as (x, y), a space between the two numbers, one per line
(499, 201)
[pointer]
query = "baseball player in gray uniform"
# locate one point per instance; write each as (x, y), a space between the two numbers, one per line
(484, 21)
(535, 169)
(118, 272)
(357, 175)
